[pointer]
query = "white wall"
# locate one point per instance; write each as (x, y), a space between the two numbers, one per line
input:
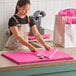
(51, 7)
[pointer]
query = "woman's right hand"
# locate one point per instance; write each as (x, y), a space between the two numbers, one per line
(32, 48)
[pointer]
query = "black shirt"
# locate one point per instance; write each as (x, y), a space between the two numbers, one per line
(24, 20)
(12, 21)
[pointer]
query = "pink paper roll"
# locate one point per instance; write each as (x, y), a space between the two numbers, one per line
(45, 36)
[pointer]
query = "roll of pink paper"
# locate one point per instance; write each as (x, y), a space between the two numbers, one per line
(28, 57)
(45, 36)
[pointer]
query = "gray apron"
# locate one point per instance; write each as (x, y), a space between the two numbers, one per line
(13, 43)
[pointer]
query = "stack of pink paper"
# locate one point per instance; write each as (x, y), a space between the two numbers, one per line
(69, 13)
(45, 36)
(28, 57)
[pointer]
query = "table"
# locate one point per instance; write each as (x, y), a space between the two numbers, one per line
(57, 68)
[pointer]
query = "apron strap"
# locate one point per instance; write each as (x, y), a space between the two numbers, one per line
(28, 19)
(15, 19)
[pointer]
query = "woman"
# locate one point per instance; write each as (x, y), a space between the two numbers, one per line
(20, 25)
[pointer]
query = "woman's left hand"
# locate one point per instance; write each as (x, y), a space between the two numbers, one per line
(48, 47)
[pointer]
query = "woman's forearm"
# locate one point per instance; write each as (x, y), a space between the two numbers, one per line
(40, 39)
(18, 36)
(23, 41)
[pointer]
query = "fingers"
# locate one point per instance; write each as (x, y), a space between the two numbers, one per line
(33, 50)
(48, 48)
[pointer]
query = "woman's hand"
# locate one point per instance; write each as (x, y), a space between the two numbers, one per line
(32, 48)
(47, 47)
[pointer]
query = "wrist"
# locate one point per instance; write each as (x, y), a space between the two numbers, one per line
(29, 46)
(45, 45)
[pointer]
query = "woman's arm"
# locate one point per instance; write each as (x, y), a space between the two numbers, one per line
(17, 35)
(39, 37)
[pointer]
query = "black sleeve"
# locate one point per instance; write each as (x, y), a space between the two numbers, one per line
(32, 22)
(12, 22)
